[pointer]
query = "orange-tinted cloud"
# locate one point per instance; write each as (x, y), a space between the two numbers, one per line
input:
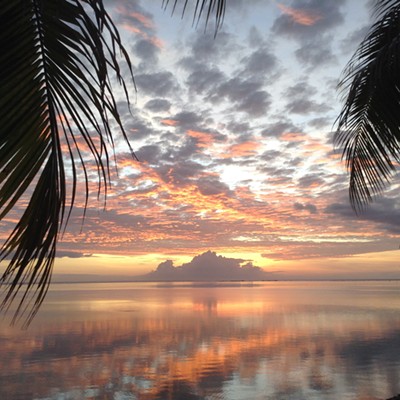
(146, 21)
(293, 136)
(204, 138)
(169, 122)
(244, 149)
(152, 39)
(301, 17)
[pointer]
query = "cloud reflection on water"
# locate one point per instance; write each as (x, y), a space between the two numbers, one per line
(208, 343)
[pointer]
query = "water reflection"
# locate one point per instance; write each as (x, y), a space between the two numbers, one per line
(270, 341)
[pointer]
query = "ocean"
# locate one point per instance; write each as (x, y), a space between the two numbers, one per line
(192, 341)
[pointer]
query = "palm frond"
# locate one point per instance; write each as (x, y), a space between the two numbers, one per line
(369, 123)
(202, 8)
(57, 60)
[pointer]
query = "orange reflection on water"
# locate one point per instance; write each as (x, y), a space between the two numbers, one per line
(196, 342)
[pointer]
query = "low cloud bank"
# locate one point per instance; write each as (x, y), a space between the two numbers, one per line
(208, 267)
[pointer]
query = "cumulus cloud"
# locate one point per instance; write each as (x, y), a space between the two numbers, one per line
(259, 63)
(157, 84)
(300, 99)
(208, 267)
(316, 53)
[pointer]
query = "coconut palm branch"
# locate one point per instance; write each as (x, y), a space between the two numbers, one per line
(369, 123)
(57, 60)
(202, 8)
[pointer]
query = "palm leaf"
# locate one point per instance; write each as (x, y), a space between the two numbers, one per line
(57, 60)
(203, 8)
(369, 123)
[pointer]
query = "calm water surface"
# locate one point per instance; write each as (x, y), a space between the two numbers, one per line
(272, 341)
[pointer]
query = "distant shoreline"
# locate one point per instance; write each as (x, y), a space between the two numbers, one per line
(226, 281)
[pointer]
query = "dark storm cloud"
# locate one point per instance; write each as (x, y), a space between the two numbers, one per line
(208, 267)
(319, 17)
(157, 84)
(158, 105)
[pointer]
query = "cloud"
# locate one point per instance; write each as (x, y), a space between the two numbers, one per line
(353, 40)
(157, 84)
(300, 101)
(301, 17)
(311, 208)
(62, 254)
(279, 128)
(208, 267)
(209, 186)
(204, 79)
(134, 18)
(158, 105)
(206, 49)
(259, 63)
(246, 95)
(72, 254)
(244, 149)
(315, 53)
(385, 212)
(308, 18)
(146, 50)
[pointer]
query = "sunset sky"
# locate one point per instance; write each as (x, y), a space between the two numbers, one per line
(234, 141)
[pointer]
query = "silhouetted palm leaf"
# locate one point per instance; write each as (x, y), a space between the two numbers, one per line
(56, 60)
(202, 8)
(369, 124)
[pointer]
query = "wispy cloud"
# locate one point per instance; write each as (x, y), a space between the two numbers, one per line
(301, 17)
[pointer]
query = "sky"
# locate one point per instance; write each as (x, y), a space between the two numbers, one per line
(234, 137)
